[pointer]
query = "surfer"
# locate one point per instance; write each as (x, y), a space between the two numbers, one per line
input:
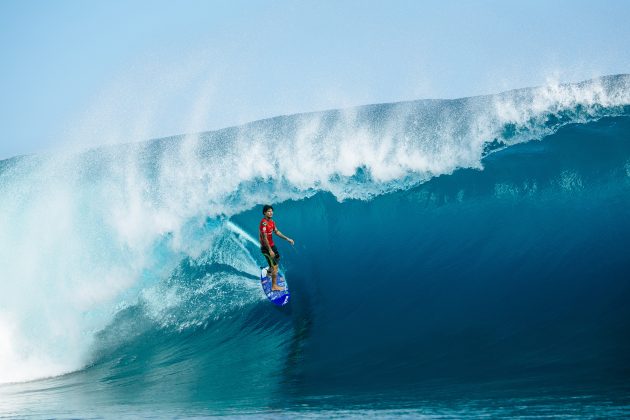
(266, 228)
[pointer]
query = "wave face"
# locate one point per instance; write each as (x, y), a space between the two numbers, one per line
(471, 241)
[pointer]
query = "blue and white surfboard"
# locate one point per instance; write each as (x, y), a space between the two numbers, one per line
(279, 298)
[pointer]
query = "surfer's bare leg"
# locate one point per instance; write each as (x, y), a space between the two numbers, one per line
(274, 279)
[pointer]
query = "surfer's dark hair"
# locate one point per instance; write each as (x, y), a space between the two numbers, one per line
(266, 207)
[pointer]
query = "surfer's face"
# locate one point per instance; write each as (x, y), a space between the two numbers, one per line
(269, 214)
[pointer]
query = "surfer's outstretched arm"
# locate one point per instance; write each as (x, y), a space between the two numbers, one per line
(286, 238)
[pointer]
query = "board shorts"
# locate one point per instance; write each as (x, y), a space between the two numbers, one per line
(271, 261)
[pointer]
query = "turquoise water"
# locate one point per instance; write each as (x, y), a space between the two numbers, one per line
(463, 258)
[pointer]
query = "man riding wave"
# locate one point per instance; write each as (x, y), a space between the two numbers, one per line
(266, 229)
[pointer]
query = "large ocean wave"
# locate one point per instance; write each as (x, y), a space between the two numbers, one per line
(478, 238)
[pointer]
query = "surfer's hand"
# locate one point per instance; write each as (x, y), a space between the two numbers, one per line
(291, 241)
(272, 254)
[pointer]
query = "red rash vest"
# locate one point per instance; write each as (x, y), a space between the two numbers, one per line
(267, 227)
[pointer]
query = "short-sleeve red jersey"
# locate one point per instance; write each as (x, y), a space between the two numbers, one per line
(266, 227)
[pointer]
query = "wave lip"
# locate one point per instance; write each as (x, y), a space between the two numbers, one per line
(365, 151)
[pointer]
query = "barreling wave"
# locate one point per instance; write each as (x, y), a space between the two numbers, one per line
(106, 250)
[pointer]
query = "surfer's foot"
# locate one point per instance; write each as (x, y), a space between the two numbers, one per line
(277, 288)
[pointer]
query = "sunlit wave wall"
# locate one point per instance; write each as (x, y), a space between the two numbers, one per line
(435, 239)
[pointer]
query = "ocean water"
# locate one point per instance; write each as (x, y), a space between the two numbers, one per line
(453, 258)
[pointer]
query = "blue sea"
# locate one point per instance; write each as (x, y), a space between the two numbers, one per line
(465, 258)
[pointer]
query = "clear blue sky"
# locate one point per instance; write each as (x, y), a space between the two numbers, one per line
(84, 72)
